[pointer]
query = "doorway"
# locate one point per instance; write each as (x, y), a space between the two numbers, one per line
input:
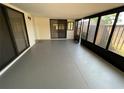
(58, 28)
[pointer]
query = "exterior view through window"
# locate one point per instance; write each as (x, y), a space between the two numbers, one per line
(70, 25)
(92, 29)
(85, 26)
(117, 41)
(103, 33)
(79, 27)
(104, 30)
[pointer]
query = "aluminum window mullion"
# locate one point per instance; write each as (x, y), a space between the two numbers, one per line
(97, 27)
(112, 30)
(88, 29)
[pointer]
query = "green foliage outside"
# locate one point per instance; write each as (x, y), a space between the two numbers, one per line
(107, 19)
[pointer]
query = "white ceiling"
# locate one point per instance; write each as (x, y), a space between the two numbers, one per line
(65, 10)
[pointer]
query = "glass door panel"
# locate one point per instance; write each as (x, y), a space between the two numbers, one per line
(18, 28)
(7, 51)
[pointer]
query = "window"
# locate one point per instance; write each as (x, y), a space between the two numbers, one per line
(76, 27)
(70, 25)
(79, 27)
(104, 30)
(55, 26)
(61, 27)
(92, 29)
(85, 26)
(117, 41)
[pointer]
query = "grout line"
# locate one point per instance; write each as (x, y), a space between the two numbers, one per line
(81, 74)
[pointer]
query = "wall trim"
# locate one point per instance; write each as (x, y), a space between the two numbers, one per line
(13, 62)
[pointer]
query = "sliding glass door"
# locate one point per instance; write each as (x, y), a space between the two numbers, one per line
(17, 24)
(13, 35)
(7, 51)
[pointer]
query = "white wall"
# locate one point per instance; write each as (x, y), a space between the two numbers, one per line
(70, 34)
(30, 29)
(42, 28)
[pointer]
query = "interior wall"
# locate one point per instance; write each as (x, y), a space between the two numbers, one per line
(30, 29)
(70, 34)
(29, 24)
(42, 27)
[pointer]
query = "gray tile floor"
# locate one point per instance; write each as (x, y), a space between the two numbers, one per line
(61, 64)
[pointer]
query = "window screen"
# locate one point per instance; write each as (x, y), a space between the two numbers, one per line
(104, 30)
(117, 41)
(92, 29)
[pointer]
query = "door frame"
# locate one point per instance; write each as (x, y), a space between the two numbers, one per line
(58, 25)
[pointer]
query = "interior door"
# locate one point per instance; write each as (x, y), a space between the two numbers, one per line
(62, 28)
(54, 28)
(58, 28)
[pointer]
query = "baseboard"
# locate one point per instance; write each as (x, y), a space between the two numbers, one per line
(55, 39)
(13, 62)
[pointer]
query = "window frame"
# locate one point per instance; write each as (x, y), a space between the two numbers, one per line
(114, 28)
(99, 15)
(108, 42)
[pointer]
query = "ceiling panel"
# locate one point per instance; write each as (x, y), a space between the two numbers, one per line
(65, 10)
